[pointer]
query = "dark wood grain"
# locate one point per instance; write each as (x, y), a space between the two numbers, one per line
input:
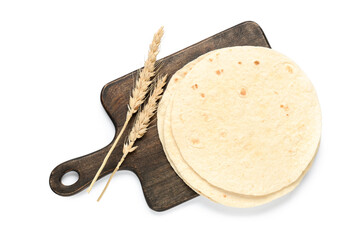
(162, 188)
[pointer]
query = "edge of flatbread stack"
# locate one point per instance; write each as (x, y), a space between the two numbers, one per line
(240, 125)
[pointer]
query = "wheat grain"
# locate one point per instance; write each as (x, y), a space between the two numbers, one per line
(140, 90)
(138, 94)
(141, 124)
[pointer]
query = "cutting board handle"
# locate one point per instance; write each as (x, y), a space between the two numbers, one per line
(86, 166)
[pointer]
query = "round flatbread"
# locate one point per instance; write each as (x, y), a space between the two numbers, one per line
(247, 120)
(198, 184)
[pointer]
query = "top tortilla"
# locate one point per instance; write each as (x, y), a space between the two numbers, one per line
(247, 120)
(191, 178)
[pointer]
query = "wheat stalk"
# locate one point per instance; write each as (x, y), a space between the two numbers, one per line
(138, 94)
(141, 124)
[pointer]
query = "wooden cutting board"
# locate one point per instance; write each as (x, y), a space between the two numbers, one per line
(162, 187)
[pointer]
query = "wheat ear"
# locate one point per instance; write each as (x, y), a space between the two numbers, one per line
(138, 94)
(141, 124)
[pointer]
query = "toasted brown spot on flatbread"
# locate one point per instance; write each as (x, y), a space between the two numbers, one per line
(289, 68)
(243, 92)
(195, 86)
(218, 72)
(195, 141)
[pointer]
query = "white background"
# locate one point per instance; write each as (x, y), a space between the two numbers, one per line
(55, 56)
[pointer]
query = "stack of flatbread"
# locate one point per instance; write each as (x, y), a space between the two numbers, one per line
(240, 125)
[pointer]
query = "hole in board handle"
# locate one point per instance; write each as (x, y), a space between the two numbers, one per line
(70, 178)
